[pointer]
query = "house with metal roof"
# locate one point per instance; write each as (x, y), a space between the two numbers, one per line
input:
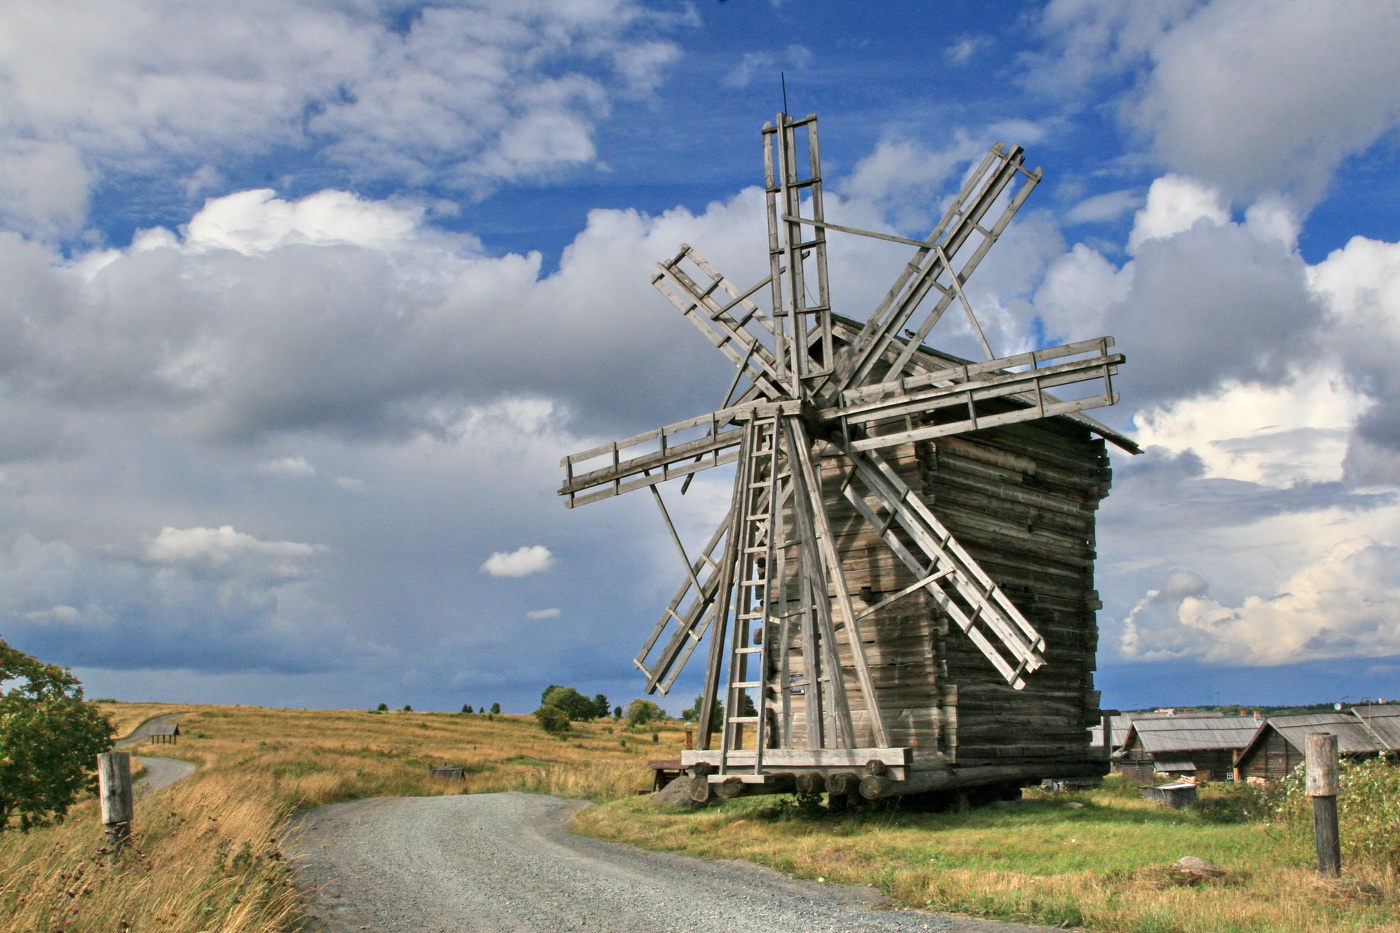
(1383, 721)
(1200, 746)
(1281, 742)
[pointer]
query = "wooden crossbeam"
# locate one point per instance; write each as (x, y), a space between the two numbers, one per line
(969, 596)
(691, 623)
(962, 221)
(965, 388)
(669, 460)
(716, 320)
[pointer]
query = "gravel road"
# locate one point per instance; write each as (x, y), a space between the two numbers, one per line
(143, 731)
(491, 863)
(162, 772)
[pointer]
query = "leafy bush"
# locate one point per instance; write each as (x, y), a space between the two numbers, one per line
(575, 705)
(552, 720)
(642, 712)
(49, 740)
(1368, 811)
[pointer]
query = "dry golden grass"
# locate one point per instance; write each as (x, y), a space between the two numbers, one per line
(205, 852)
(1105, 866)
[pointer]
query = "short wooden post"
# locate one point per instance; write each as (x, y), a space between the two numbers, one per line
(114, 790)
(1323, 786)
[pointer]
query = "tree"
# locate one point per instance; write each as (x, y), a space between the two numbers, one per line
(552, 719)
(495, 709)
(49, 740)
(601, 706)
(407, 708)
(383, 707)
(617, 712)
(642, 712)
(575, 705)
(467, 708)
(716, 713)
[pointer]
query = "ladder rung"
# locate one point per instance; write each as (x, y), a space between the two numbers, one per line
(741, 719)
(745, 684)
(750, 650)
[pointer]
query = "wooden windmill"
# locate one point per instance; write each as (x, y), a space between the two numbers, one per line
(830, 590)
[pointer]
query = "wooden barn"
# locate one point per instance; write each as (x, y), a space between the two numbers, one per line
(900, 598)
(1280, 744)
(1200, 746)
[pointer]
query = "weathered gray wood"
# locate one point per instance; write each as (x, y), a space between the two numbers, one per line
(941, 599)
(810, 758)
(114, 787)
(1323, 783)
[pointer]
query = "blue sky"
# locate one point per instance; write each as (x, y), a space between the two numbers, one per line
(302, 302)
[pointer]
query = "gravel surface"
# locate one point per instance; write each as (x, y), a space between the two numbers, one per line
(162, 772)
(492, 863)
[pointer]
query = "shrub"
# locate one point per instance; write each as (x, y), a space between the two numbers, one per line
(552, 720)
(495, 708)
(575, 705)
(642, 712)
(1368, 811)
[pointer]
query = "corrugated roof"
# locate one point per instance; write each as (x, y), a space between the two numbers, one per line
(1383, 721)
(1353, 738)
(1173, 763)
(1194, 733)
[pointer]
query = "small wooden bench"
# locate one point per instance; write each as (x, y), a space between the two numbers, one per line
(664, 771)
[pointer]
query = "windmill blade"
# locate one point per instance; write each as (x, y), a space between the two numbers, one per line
(741, 339)
(958, 396)
(691, 623)
(666, 453)
(954, 579)
(960, 224)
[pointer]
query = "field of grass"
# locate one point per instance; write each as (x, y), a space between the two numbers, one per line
(1103, 865)
(206, 856)
(205, 852)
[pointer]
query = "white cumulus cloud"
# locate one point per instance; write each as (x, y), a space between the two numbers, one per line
(521, 562)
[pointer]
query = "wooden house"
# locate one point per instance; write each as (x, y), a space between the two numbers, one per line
(1200, 746)
(1280, 744)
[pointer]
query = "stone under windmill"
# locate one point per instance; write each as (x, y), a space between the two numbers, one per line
(900, 598)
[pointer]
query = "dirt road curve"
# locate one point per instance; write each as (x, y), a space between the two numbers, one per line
(492, 863)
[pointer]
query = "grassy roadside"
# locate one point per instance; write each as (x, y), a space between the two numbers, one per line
(205, 852)
(1104, 865)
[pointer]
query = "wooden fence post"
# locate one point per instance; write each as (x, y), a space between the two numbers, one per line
(1323, 785)
(114, 789)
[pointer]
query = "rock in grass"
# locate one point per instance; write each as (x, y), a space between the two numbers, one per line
(1194, 870)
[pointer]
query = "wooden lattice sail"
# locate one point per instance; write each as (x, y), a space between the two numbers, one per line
(900, 596)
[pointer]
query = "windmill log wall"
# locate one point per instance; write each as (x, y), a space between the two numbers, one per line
(1021, 499)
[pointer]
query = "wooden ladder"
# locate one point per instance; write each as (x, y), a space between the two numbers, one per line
(761, 476)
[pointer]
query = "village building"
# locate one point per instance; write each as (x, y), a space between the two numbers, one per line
(1280, 744)
(1202, 746)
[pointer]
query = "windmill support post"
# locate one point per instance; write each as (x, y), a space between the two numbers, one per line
(1323, 786)
(900, 596)
(114, 793)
